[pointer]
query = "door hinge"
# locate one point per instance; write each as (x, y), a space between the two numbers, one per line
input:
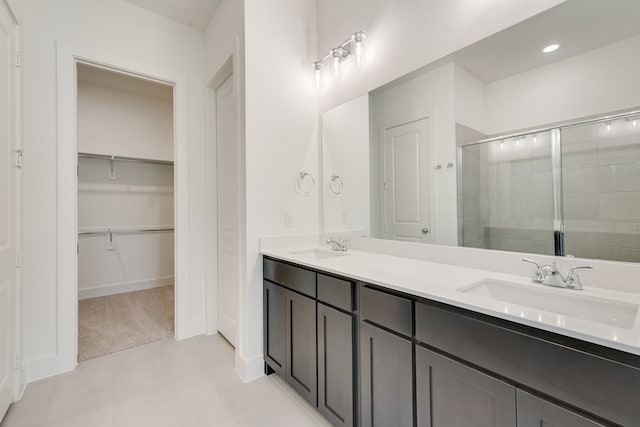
(18, 59)
(18, 361)
(19, 159)
(18, 259)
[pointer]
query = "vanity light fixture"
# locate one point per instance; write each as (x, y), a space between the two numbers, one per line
(608, 126)
(317, 69)
(352, 47)
(551, 48)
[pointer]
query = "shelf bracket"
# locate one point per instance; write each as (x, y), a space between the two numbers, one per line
(110, 245)
(112, 168)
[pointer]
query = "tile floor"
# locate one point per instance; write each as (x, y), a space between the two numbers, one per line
(165, 383)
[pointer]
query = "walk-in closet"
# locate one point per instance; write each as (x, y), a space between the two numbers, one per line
(125, 211)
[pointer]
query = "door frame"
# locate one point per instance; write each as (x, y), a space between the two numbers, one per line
(67, 188)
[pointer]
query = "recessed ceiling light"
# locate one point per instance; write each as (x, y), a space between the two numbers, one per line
(551, 48)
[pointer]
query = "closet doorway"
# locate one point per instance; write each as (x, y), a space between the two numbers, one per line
(125, 216)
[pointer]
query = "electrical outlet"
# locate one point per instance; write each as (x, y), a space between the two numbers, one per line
(289, 219)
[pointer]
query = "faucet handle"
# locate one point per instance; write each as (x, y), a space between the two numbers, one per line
(530, 261)
(572, 277)
(538, 275)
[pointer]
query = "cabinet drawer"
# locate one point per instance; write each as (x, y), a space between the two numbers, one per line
(387, 310)
(335, 292)
(296, 278)
(605, 388)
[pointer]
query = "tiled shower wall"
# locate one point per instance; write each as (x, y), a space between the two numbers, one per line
(507, 196)
(601, 180)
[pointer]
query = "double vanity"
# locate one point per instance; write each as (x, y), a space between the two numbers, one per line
(373, 339)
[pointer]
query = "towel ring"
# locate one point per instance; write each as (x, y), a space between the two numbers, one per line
(335, 185)
(306, 182)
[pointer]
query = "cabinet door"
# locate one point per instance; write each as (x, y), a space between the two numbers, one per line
(536, 412)
(386, 378)
(275, 343)
(450, 394)
(301, 345)
(335, 366)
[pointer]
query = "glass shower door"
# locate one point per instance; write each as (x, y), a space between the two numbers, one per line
(506, 194)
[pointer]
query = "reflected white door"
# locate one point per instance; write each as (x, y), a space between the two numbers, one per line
(7, 209)
(406, 182)
(227, 178)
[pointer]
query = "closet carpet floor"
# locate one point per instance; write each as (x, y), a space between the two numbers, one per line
(117, 322)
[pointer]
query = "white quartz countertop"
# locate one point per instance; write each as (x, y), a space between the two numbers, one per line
(442, 282)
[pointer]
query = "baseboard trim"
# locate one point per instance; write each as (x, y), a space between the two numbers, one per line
(120, 288)
(249, 369)
(39, 369)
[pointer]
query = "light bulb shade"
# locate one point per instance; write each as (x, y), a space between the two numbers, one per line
(336, 57)
(317, 70)
(357, 46)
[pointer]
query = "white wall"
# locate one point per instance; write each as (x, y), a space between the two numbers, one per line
(224, 35)
(603, 80)
(281, 141)
(116, 122)
(345, 152)
(404, 35)
(112, 28)
(469, 99)
(141, 196)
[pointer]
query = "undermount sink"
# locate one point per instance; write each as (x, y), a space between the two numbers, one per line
(320, 253)
(556, 301)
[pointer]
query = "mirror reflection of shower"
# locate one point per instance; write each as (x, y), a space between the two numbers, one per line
(516, 193)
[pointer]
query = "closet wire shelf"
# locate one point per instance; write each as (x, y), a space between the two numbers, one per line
(125, 231)
(123, 159)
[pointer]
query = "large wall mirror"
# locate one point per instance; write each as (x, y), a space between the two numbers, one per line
(528, 141)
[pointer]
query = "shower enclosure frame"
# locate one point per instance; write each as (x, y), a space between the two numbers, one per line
(556, 169)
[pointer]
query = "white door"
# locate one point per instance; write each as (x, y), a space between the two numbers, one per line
(7, 208)
(227, 178)
(406, 182)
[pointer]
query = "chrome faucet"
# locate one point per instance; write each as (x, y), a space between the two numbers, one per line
(550, 275)
(337, 244)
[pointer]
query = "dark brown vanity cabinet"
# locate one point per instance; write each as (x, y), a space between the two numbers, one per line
(386, 359)
(290, 347)
(290, 338)
(275, 342)
(452, 394)
(337, 350)
(535, 412)
(309, 337)
(300, 335)
(367, 355)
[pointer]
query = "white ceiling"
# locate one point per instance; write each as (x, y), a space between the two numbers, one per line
(577, 25)
(194, 13)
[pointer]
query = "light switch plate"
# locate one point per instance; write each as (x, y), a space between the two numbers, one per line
(289, 219)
